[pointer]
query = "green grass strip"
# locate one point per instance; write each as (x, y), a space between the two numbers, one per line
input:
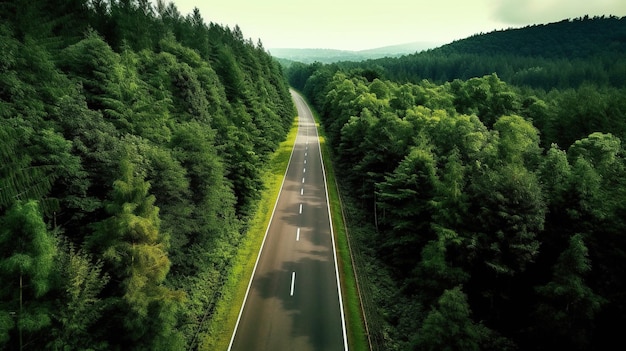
(355, 325)
(224, 319)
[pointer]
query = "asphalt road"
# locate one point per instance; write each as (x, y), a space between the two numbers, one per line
(293, 301)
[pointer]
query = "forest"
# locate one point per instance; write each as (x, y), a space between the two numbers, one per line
(484, 186)
(557, 55)
(132, 143)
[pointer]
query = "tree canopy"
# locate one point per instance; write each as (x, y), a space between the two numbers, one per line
(486, 210)
(133, 139)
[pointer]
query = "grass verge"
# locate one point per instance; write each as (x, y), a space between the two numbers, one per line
(222, 324)
(355, 325)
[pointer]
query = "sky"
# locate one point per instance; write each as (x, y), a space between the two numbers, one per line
(365, 24)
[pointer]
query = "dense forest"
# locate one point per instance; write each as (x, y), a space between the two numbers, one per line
(132, 139)
(486, 211)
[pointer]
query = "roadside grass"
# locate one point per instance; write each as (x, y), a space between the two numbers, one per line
(220, 329)
(222, 324)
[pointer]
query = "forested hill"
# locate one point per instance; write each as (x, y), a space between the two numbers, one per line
(556, 55)
(132, 139)
(568, 39)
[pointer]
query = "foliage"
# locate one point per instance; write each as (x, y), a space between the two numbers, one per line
(564, 54)
(470, 192)
(26, 264)
(132, 143)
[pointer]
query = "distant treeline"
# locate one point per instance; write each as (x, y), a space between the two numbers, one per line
(484, 215)
(132, 140)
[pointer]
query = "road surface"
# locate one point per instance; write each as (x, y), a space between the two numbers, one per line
(293, 300)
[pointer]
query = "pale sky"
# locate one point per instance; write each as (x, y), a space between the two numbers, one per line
(365, 24)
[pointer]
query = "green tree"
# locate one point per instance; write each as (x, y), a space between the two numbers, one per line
(405, 198)
(518, 141)
(339, 104)
(210, 193)
(131, 242)
(449, 326)
(555, 176)
(96, 143)
(91, 62)
(601, 149)
(380, 89)
(509, 213)
(402, 98)
(384, 146)
(436, 270)
(80, 281)
(230, 74)
(27, 252)
(568, 305)
(450, 201)
(488, 97)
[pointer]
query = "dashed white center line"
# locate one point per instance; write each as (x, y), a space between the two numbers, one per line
(298, 234)
(293, 282)
(301, 191)
(302, 179)
(304, 170)
(300, 208)
(304, 161)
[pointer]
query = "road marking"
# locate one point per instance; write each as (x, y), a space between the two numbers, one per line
(304, 170)
(256, 263)
(301, 191)
(300, 208)
(298, 234)
(304, 161)
(305, 154)
(293, 282)
(302, 179)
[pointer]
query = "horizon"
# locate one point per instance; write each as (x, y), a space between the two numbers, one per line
(356, 26)
(365, 50)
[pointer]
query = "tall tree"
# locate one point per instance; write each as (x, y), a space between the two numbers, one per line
(405, 198)
(130, 241)
(568, 305)
(27, 252)
(80, 281)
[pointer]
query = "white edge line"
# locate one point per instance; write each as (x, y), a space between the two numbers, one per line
(243, 304)
(332, 236)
